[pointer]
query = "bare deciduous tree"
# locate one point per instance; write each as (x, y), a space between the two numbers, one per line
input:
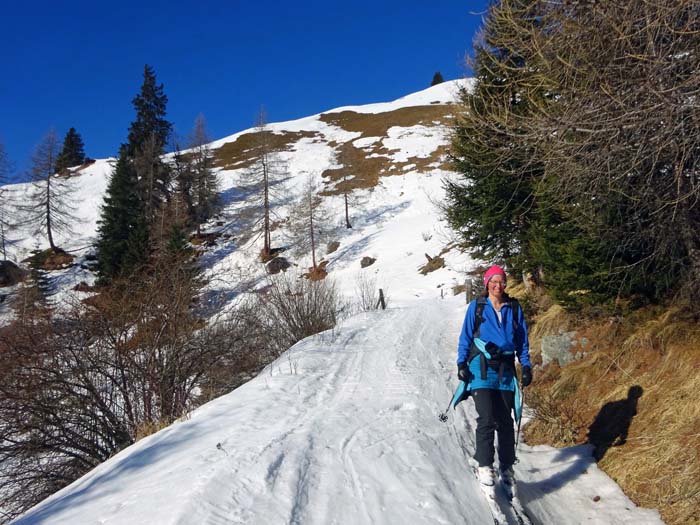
(267, 174)
(309, 221)
(49, 209)
(5, 170)
(78, 387)
(293, 307)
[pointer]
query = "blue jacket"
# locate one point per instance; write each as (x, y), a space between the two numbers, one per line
(499, 333)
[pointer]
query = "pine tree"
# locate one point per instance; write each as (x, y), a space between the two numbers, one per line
(150, 123)
(73, 153)
(437, 79)
(123, 237)
(492, 207)
(148, 136)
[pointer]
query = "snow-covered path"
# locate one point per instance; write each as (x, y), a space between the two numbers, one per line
(342, 429)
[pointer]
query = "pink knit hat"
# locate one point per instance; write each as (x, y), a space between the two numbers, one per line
(494, 270)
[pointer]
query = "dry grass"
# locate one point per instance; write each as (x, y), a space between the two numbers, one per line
(362, 167)
(242, 152)
(657, 353)
(147, 428)
(434, 263)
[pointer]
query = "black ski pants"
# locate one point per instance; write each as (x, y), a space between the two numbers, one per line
(493, 408)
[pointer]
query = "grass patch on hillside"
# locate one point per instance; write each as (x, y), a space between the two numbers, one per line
(362, 167)
(242, 152)
(634, 395)
(377, 124)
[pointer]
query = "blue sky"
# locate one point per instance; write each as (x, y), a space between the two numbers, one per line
(81, 63)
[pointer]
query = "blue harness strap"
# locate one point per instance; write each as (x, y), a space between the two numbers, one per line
(518, 401)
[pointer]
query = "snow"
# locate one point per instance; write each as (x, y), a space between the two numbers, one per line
(343, 428)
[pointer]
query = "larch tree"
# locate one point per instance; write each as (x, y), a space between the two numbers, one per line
(5, 170)
(48, 208)
(205, 186)
(309, 222)
(266, 173)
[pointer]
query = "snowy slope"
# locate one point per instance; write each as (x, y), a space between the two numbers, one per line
(343, 428)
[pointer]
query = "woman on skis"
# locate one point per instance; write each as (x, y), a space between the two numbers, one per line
(493, 334)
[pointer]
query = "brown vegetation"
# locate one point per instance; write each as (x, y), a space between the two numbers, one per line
(50, 259)
(242, 152)
(434, 263)
(362, 167)
(633, 396)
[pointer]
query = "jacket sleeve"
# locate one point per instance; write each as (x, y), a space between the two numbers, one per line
(466, 336)
(521, 340)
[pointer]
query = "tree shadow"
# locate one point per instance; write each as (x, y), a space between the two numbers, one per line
(611, 425)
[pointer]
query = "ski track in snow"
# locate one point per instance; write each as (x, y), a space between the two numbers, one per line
(332, 462)
(342, 429)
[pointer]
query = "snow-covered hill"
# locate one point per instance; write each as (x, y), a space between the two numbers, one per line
(342, 428)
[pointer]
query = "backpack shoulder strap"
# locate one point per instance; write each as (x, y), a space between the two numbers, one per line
(479, 315)
(517, 312)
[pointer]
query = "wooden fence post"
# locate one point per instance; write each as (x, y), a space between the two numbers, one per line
(381, 302)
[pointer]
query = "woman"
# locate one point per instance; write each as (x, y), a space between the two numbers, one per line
(494, 332)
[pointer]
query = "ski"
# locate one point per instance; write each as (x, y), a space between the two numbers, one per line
(499, 518)
(519, 512)
(503, 503)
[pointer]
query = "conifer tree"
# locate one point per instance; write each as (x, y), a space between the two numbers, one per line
(150, 123)
(437, 79)
(73, 153)
(492, 206)
(148, 136)
(122, 244)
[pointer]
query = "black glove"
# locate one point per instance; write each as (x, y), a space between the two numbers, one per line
(527, 376)
(463, 372)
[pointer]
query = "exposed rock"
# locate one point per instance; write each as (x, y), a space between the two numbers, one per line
(434, 263)
(367, 261)
(207, 239)
(82, 286)
(332, 246)
(559, 348)
(11, 274)
(277, 265)
(50, 260)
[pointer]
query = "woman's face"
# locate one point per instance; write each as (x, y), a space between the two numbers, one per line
(497, 286)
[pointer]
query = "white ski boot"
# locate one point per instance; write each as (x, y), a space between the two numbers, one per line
(487, 480)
